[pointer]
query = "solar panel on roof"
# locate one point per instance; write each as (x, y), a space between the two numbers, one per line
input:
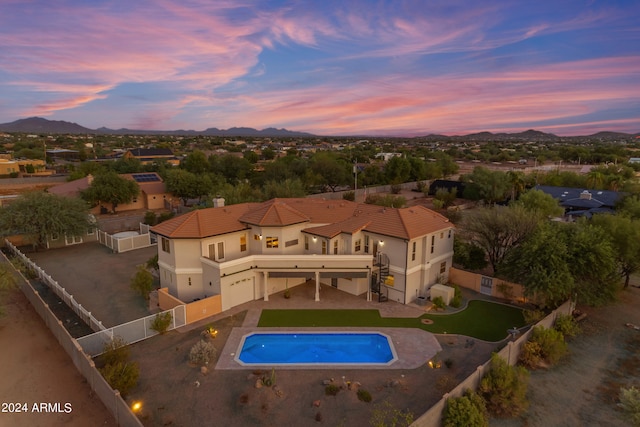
(145, 177)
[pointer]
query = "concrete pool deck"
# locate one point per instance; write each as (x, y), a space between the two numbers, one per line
(414, 347)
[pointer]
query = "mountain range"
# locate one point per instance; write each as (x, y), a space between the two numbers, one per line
(40, 125)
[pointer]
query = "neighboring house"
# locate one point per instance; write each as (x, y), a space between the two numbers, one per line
(151, 155)
(153, 192)
(581, 202)
(20, 166)
(248, 251)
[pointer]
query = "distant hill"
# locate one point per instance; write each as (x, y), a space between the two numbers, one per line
(40, 125)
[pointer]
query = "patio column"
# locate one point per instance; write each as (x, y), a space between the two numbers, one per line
(266, 285)
(369, 285)
(317, 286)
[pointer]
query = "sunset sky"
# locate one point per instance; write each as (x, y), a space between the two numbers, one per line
(401, 68)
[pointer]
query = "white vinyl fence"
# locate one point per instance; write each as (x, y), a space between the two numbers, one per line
(62, 293)
(130, 332)
(129, 243)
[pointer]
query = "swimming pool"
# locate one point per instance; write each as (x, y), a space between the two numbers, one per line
(309, 348)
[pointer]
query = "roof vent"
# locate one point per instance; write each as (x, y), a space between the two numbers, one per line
(585, 195)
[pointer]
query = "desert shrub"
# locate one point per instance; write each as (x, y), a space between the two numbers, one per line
(142, 282)
(121, 376)
(468, 410)
(388, 200)
(531, 354)
(331, 390)
(445, 196)
(456, 301)
(118, 371)
(446, 383)
(396, 188)
(532, 316)
(153, 263)
(202, 353)
(349, 195)
(504, 388)
(364, 395)
(150, 218)
(384, 415)
(161, 322)
(270, 380)
(567, 325)
(438, 303)
(437, 204)
(630, 404)
(115, 351)
(552, 344)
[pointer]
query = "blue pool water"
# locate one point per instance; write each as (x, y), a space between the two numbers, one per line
(316, 348)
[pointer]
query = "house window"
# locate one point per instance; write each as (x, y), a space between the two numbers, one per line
(272, 242)
(324, 247)
(306, 243)
(449, 234)
(220, 250)
(212, 251)
(443, 267)
(189, 281)
(335, 247)
(413, 252)
(433, 243)
(166, 247)
(290, 243)
(366, 244)
(358, 244)
(441, 235)
(243, 243)
(257, 237)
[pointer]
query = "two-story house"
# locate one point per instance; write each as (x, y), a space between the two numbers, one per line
(249, 251)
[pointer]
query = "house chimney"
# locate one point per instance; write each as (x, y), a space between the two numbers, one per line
(585, 195)
(218, 202)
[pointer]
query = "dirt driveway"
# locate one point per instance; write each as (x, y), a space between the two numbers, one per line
(98, 279)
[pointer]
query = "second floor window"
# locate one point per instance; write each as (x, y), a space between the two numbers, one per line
(243, 243)
(366, 244)
(272, 242)
(433, 243)
(324, 247)
(306, 243)
(358, 244)
(166, 247)
(335, 247)
(413, 252)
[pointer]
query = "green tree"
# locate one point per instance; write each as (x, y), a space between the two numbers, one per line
(630, 404)
(468, 410)
(40, 215)
(490, 186)
(539, 203)
(397, 170)
(330, 170)
(630, 207)
(540, 265)
(504, 388)
(111, 188)
(286, 188)
(142, 282)
(624, 236)
(497, 230)
(195, 162)
(187, 185)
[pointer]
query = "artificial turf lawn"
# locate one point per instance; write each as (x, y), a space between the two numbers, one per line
(481, 319)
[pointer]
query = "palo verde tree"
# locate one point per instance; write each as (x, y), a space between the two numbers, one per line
(497, 230)
(39, 216)
(624, 235)
(111, 188)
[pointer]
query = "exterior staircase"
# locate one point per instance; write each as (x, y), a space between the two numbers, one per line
(378, 279)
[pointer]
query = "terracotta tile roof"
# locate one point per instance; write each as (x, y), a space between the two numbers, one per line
(350, 226)
(274, 213)
(205, 222)
(327, 218)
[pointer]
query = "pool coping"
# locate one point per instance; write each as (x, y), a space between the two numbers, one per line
(413, 347)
